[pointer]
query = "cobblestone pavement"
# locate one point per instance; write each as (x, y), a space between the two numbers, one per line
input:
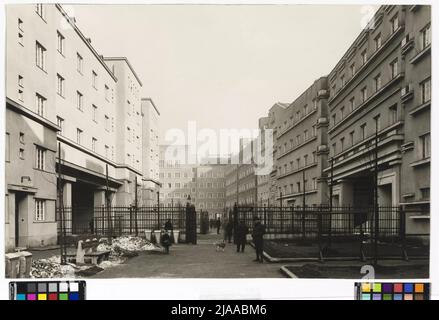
(195, 261)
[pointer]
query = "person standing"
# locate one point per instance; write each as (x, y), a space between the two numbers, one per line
(218, 225)
(229, 231)
(241, 236)
(168, 225)
(166, 241)
(258, 239)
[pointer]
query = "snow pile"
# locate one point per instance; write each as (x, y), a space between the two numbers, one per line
(126, 245)
(52, 268)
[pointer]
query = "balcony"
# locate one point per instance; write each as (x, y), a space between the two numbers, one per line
(421, 162)
(420, 55)
(406, 44)
(407, 93)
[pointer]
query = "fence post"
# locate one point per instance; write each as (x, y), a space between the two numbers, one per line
(303, 223)
(292, 220)
(131, 221)
(265, 215)
(319, 231)
(402, 231)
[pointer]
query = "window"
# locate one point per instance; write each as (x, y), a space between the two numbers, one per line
(107, 151)
(425, 146)
(395, 24)
(333, 120)
(40, 56)
(363, 131)
(394, 68)
(60, 85)
(425, 37)
(94, 142)
(21, 153)
(107, 123)
(305, 134)
(315, 103)
(305, 110)
(60, 43)
(298, 187)
(425, 193)
(94, 77)
(425, 91)
(79, 100)
(364, 94)
(364, 56)
(342, 144)
(40, 158)
(60, 123)
(378, 41)
(20, 88)
(377, 82)
(352, 103)
(78, 135)
(79, 63)
(107, 92)
(305, 160)
(20, 24)
(314, 130)
(393, 116)
(352, 69)
(334, 148)
(342, 79)
(351, 138)
(314, 157)
(342, 112)
(298, 163)
(21, 38)
(40, 210)
(7, 147)
(39, 9)
(94, 113)
(377, 119)
(21, 137)
(40, 104)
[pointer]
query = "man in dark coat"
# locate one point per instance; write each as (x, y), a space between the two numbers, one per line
(258, 239)
(168, 225)
(166, 241)
(229, 231)
(241, 236)
(218, 225)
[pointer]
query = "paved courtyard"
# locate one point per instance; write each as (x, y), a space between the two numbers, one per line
(195, 261)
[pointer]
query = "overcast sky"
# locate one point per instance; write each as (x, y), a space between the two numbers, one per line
(222, 66)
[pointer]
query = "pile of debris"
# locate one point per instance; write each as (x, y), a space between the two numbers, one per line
(126, 246)
(51, 268)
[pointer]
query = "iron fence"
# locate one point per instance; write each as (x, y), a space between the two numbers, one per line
(118, 220)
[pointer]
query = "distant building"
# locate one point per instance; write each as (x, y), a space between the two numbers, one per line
(203, 183)
(151, 152)
(301, 143)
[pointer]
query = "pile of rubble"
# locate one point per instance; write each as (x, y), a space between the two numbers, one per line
(126, 246)
(51, 268)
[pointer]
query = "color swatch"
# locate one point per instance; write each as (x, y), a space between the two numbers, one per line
(47, 290)
(392, 291)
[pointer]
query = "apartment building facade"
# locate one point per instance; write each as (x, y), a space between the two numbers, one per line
(379, 111)
(301, 141)
(65, 119)
(201, 184)
(151, 151)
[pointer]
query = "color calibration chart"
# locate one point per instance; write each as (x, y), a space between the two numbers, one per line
(392, 291)
(47, 290)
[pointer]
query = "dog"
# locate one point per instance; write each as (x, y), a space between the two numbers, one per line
(220, 246)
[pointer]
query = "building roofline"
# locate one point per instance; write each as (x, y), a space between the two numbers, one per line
(153, 104)
(322, 78)
(84, 39)
(128, 63)
(355, 42)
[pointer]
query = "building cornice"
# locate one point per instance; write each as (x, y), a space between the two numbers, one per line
(153, 104)
(128, 63)
(84, 39)
(10, 104)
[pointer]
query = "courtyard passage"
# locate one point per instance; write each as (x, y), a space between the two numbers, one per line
(195, 261)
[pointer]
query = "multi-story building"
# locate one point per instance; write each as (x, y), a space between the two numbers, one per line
(151, 152)
(301, 144)
(203, 183)
(70, 112)
(240, 178)
(379, 110)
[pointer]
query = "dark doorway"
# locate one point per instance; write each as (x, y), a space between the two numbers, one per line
(19, 196)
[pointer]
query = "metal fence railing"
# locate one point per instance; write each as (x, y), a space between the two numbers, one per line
(118, 220)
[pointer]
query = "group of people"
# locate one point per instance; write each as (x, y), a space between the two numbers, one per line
(241, 232)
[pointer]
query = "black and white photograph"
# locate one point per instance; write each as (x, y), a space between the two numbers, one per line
(170, 141)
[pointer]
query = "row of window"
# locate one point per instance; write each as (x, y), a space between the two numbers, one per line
(297, 117)
(297, 164)
(39, 154)
(300, 139)
(299, 186)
